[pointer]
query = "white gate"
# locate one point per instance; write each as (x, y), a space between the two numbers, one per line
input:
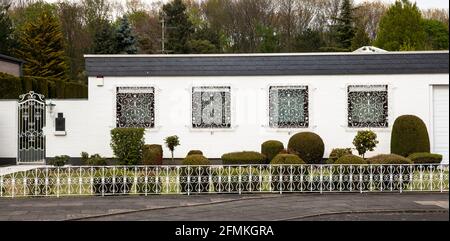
(31, 139)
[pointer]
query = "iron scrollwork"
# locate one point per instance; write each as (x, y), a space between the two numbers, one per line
(135, 107)
(368, 106)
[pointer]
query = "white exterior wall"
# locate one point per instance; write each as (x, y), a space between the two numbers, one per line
(88, 123)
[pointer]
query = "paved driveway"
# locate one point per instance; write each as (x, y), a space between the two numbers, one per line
(294, 207)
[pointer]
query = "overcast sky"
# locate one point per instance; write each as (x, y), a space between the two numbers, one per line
(423, 4)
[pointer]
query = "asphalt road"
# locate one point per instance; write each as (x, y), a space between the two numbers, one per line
(293, 207)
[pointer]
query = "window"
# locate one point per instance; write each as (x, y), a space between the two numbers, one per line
(288, 107)
(211, 107)
(135, 107)
(368, 106)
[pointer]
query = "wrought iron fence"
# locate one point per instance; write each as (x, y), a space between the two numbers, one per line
(153, 180)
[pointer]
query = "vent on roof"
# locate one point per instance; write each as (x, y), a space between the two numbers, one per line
(370, 49)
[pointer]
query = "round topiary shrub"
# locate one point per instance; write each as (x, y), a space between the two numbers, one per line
(350, 159)
(409, 135)
(243, 158)
(389, 159)
(425, 158)
(287, 159)
(309, 146)
(271, 148)
(195, 179)
(195, 152)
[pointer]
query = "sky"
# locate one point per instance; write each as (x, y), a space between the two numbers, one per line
(423, 4)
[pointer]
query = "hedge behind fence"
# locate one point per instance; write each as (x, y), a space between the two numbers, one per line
(11, 87)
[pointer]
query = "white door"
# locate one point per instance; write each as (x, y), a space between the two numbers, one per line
(440, 121)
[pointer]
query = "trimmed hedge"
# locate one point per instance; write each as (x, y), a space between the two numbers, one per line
(287, 159)
(425, 158)
(309, 146)
(196, 160)
(10, 86)
(337, 153)
(152, 155)
(59, 161)
(350, 159)
(243, 158)
(271, 149)
(409, 135)
(389, 159)
(195, 152)
(128, 144)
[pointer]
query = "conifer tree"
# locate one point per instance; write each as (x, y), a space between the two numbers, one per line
(6, 30)
(345, 30)
(42, 47)
(125, 39)
(104, 39)
(179, 27)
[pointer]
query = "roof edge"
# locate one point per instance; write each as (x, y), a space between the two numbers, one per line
(258, 54)
(11, 59)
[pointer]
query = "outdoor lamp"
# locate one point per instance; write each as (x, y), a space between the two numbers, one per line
(51, 106)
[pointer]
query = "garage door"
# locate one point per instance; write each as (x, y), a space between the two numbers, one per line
(440, 121)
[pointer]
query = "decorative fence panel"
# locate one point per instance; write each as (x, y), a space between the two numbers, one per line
(154, 180)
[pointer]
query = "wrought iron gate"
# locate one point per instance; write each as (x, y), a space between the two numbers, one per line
(31, 121)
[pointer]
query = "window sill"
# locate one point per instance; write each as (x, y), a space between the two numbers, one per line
(374, 129)
(212, 130)
(290, 131)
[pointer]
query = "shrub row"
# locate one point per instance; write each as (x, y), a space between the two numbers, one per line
(11, 87)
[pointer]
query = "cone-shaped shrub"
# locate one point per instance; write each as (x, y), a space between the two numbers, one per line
(409, 135)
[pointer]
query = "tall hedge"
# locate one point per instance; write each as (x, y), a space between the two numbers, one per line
(271, 149)
(308, 146)
(127, 145)
(409, 135)
(10, 86)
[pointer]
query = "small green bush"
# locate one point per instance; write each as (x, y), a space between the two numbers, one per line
(350, 159)
(409, 135)
(59, 161)
(195, 152)
(309, 146)
(242, 158)
(271, 148)
(425, 158)
(389, 159)
(10, 86)
(196, 160)
(93, 160)
(127, 145)
(153, 155)
(338, 153)
(287, 159)
(365, 141)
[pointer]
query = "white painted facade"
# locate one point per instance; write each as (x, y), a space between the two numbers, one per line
(88, 122)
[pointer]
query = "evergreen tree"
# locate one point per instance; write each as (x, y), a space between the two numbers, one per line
(179, 27)
(360, 39)
(437, 34)
(269, 40)
(104, 39)
(345, 30)
(125, 39)
(6, 30)
(401, 28)
(309, 41)
(42, 47)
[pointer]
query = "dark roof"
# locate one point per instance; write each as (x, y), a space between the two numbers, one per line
(268, 64)
(11, 59)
